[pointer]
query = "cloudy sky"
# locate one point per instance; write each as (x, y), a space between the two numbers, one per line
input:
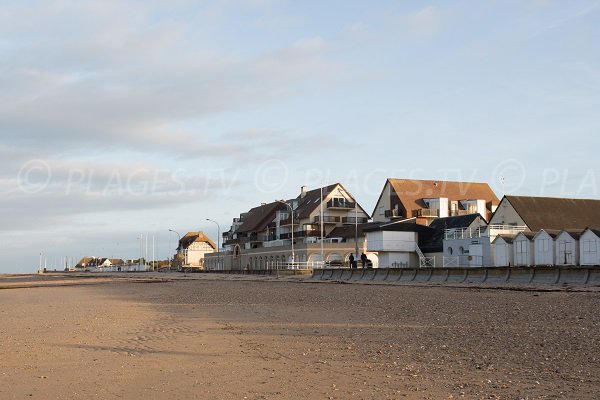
(126, 117)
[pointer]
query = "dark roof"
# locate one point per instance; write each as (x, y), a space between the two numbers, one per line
(596, 231)
(575, 234)
(507, 238)
(552, 232)
(528, 235)
(556, 213)
(434, 242)
(259, 217)
(312, 200)
(348, 231)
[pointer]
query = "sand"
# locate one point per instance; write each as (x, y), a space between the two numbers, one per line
(212, 337)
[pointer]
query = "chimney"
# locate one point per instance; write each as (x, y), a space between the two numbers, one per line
(303, 190)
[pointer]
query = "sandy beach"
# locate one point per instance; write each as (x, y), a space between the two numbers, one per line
(223, 337)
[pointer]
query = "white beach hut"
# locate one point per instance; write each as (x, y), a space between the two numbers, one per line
(544, 246)
(523, 249)
(567, 247)
(503, 250)
(589, 247)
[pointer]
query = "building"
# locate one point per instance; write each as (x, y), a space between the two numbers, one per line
(537, 213)
(503, 250)
(427, 200)
(567, 247)
(589, 247)
(544, 247)
(524, 249)
(316, 222)
(192, 249)
(461, 241)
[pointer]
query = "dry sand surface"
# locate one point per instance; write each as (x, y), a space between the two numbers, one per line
(225, 338)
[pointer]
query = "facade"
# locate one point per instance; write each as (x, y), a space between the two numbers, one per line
(524, 249)
(589, 247)
(317, 222)
(427, 200)
(567, 248)
(192, 249)
(465, 241)
(503, 251)
(396, 243)
(544, 247)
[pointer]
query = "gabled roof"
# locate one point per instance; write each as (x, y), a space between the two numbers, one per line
(193, 237)
(412, 191)
(257, 219)
(556, 213)
(528, 235)
(507, 238)
(553, 233)
(593, 230)
(312, 200)
(575, 234)
(435, 242)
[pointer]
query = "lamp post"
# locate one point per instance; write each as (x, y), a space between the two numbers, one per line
(292, 219)
(218, 242)
(171, 230)
(355, 224)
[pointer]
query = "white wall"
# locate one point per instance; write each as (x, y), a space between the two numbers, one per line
(503, 253)
(384, 202)
(589, 248)
(544, 249)
(567, 250)
(506, 215)
(387, 259)
(523, 251)
(392, 241)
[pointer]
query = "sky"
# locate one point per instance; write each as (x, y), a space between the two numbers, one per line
(127, 118)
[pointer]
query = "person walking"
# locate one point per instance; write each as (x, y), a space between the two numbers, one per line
(351, 259)
(363, 259)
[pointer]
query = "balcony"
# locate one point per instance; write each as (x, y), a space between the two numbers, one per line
(354, 220)
(341, 204)
(393, 214)
(456, 213)
(300, 234)
(427, 212)
(327, 219)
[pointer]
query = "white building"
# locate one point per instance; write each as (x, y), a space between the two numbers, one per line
(523, 249)
(544, 247)
(567, 248)
(193, 248)
(503, 251)
(589, 247)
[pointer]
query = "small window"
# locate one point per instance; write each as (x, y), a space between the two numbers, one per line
(381, 210)
(461, 250)
(450, 250)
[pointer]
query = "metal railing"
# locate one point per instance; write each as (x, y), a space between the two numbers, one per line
(297, 265)
(393, 213)
(340, 203)
(327, 219)
(353, 220)
(427, 212)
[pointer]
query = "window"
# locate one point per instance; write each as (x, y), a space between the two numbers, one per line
(450, 251)
(381, 210)
(461, 250)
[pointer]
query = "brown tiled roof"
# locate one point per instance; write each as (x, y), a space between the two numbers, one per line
(556, 213)
(411, 191)
(259, 217)
(193, 237)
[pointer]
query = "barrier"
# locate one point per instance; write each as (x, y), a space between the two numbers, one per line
(543, 275)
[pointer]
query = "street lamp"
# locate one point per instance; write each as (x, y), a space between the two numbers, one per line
(355, 224)
(178, 244)
(292, 219)
(218, 242)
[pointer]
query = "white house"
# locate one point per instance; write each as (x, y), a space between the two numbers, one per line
(544, 247)
(193, 247)
(523, 249)
(503, 250)
(466, 241)
(396, 243)
(589, 247)
(567, 248)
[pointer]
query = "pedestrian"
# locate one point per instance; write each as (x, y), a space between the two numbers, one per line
(351, 259)
(363, 259)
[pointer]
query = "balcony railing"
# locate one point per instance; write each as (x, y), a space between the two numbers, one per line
(300, 234)
(428, 212)
(327, 219)
(393, 214)
(340, 203)
(353, 220)
(456, 213)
